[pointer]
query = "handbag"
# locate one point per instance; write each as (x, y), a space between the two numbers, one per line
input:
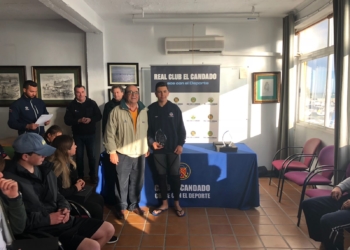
(82, 195)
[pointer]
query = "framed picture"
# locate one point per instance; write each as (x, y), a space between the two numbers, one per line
(11, 84)
(266, 87)
(123, 73)
(56, 83)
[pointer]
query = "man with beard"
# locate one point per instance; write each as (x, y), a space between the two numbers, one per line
(25, 111)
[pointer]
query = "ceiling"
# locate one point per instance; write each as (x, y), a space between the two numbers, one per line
(113, 9)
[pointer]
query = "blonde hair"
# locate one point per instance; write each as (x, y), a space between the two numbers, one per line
(61, 159)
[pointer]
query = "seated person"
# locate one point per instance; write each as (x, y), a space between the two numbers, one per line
(324, 213)
(11, 210)
(3, 154)
(47, 210)
(67, 175)
(51, 133)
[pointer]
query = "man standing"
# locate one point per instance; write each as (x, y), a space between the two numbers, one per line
(165, 119)
(25, 111)
(83, 114)
(118, 93)
(47, 210)
(125, 140)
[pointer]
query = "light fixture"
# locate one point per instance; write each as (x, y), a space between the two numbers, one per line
(196, 18)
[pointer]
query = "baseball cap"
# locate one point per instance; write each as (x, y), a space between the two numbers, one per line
(31, 142)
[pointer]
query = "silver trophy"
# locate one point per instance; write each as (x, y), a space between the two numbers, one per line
(227, 139)
(160, 138)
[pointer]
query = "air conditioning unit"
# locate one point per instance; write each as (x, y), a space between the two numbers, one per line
(194, 45)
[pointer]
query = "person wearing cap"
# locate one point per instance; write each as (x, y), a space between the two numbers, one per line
(26, 110)
(125, 140)
(83, 114)
(47, 210)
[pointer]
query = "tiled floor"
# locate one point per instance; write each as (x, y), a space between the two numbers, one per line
(270, 226)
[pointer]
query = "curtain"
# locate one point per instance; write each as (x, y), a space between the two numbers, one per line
(342, 93)
(287, 65)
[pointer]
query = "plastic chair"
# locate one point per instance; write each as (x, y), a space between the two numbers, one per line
(300, 161)
(321, 175)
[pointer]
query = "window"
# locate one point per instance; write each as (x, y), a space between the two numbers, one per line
(316, 75)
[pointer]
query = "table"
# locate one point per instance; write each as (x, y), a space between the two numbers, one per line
(208, 178)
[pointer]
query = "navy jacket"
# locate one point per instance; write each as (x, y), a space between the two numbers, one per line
(76, 110)
(169, 119)
(25, 111)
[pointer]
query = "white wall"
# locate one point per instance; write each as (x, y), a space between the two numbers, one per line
(40, 43)
(144, 43)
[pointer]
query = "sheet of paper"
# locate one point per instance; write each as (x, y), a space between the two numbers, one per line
(42, 119)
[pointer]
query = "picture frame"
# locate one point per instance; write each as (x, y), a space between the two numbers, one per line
(56, 83)
(266, 87)
(11, 84)
(123, 74)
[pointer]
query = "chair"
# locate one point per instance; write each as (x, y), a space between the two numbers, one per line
(79, 210)
(321, 175)
(300, 161)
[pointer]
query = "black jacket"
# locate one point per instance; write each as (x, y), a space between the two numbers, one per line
(76, 110)
(169, 119)
(108, 108)
(40, 197)
(68, 192)
(25, 111)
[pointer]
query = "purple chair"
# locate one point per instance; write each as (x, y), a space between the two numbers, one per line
(297, 162)
(321, 175)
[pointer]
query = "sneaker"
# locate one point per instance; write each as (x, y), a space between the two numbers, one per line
(114, 239)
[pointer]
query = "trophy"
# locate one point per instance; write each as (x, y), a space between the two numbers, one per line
(227, 139)
(226, 145)
(160, 138)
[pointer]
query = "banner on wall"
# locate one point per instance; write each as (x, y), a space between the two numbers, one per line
(195, 89)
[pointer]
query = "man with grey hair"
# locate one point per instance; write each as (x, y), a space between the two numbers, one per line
(125, 140)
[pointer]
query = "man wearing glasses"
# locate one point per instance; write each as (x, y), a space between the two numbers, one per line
(125, 140)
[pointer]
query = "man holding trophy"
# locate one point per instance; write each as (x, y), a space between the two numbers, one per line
(166, 135)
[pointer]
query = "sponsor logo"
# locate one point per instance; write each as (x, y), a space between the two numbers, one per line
(43, 142)
(210, 133)
(210, 116)
(185, 171)
(171, 114)
(193, 117)
(193, 99)
(26, 108)
(176, 99)
(210, 99)
(193, 133)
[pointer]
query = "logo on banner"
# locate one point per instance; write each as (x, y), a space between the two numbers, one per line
(176, 100)
(193, 99)
(185, 171)
(193, 133)
(210, 116)
(210, 133)
(193, 117)
(210, 99)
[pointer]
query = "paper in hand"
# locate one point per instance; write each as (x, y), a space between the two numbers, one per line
(42, 119)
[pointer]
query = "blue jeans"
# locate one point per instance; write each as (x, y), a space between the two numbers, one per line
(129, 183)
(89, 142)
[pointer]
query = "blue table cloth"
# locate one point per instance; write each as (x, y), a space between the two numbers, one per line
(208, 178)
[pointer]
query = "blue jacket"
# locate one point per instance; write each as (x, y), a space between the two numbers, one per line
(25, 111)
